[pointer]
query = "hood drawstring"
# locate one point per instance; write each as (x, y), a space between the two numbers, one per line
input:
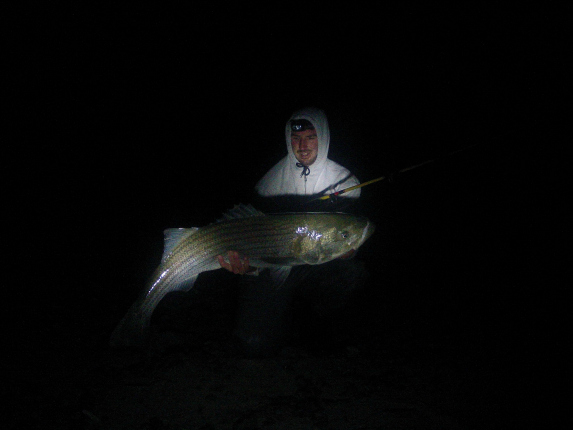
(305, 170)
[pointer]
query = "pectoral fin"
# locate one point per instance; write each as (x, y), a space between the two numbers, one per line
(307, 249)
(279, 275)
(311, 257)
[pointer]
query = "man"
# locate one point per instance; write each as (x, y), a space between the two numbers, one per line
(305, 171)
(264, 310)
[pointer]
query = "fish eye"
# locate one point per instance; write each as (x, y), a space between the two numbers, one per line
(344, 234)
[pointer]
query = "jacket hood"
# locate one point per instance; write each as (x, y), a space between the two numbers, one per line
(318, 119)
(285, 178)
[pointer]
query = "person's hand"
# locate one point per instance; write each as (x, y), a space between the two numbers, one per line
(236, 264)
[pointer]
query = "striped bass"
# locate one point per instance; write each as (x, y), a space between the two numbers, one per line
(276, 241)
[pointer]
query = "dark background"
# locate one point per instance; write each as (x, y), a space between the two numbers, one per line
(126, 121)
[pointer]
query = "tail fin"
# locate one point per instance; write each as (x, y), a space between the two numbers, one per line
(132, 330)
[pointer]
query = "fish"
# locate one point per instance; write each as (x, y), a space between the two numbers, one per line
(275, 241)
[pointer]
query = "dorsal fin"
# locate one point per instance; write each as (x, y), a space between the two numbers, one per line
(174, 236)
(240, 211)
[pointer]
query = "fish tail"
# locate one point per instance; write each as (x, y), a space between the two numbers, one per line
(132, 330)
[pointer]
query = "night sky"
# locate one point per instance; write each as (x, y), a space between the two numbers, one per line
(162, 113)
(127, 121)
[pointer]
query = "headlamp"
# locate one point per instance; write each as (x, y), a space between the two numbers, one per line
(301, 125)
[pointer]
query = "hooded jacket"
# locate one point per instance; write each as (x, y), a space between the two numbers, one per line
(326, 176)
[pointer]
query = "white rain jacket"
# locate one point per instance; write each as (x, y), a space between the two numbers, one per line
(285, 178)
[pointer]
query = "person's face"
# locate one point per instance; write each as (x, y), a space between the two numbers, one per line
(305, 146)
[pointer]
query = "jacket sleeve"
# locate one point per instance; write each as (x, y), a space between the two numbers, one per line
(347, 180)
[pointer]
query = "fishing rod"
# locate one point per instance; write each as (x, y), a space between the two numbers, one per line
(381, 178)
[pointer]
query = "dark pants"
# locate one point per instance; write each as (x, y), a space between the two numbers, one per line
(265, 312)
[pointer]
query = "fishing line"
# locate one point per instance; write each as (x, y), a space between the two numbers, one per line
(381, 178)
